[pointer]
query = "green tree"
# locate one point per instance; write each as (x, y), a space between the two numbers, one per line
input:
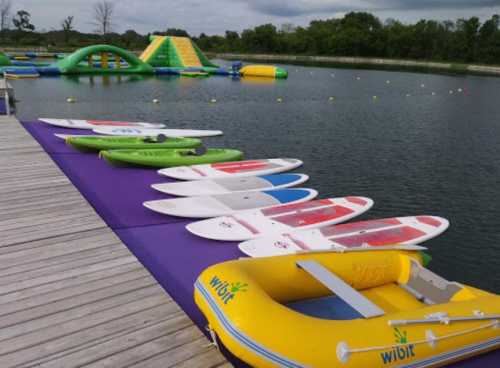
(22, 21)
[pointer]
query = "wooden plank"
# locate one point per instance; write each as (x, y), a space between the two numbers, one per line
(71, 294)
(69, 282)
(128, 348)
(34, 301)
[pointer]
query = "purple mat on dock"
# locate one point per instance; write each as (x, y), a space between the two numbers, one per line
(174, 256)
(116, 193)
(44, 134)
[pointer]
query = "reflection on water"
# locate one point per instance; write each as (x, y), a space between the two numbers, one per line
(415, 143)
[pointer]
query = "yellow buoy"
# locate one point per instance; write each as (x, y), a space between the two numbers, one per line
(71, 99)
(374, 97)
(279, 99)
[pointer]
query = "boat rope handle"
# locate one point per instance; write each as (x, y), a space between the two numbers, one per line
(343, 351)
(442, 319)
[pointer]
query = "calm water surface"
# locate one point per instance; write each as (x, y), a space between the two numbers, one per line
(427, 144)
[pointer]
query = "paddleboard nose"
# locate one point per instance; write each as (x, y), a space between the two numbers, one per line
(219, 229)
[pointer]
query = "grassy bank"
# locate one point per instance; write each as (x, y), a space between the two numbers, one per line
(364, 63)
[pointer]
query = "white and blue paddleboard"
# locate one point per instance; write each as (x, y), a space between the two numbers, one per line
(229, 185)
(230, 203)
(146, 132)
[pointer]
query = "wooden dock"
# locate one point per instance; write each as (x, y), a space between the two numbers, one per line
(71, 293)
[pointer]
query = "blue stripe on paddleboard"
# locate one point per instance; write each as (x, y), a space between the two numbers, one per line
(281, 179)
(287, 195)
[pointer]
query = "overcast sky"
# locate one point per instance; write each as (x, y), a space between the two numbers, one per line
(216, 16)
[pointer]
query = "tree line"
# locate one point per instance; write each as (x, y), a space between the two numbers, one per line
(356, 34)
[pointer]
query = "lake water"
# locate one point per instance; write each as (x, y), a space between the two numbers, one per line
(426, 144)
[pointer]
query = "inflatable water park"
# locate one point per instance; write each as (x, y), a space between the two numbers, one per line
(165, 55)
(293, 283)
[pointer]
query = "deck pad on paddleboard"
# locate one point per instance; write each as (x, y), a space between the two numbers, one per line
(227, 204)
(91, 124)
(232, 169)
(280, 219)
(228, 185)
(374, 233)
(144, 132)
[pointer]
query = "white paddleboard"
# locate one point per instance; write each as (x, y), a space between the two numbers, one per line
(397, 231)
(229, 185)
(281, 219)
(232, 169)
(227, 204)
(144, 132)
(91, 124)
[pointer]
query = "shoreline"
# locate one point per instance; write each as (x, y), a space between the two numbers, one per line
(365, 63)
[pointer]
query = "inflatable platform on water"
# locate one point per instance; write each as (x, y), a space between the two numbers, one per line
(263, 71)
(169, 157)
(357, 309)
(99, 143)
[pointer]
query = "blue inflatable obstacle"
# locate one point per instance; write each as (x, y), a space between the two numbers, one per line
(20, 73)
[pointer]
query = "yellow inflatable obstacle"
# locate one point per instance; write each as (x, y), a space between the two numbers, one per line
(358, 309)
(266, 71)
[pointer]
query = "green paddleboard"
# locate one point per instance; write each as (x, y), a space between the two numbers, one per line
(170, 157)
(117, 142)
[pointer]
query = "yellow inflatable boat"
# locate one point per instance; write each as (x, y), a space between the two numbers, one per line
(359, 309)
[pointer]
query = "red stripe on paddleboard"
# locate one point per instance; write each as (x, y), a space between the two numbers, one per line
(313, 216)
(238, 163)
(111, 123)
(429, 221)
(382, 237)
(198, 171)
(278, 210)
(297, 242)
(246, 225)
(358, 226)
(356, 200)
(236, 169)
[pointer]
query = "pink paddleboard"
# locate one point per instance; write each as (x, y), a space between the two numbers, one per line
(374, 233)
(280, 219)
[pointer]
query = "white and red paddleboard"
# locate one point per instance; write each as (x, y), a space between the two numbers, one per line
(397, 231)
(230, 203)
(231, 169)
(281, 219)
(230, 185)
(92, 124)
(149, 131)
